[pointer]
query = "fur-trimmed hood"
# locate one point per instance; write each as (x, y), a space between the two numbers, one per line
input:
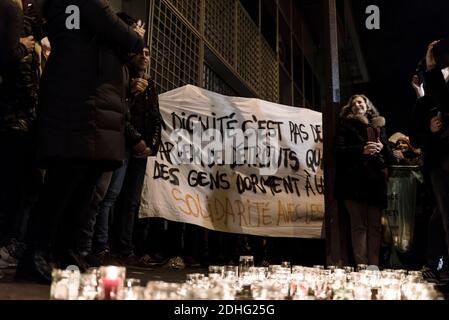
(376, 121)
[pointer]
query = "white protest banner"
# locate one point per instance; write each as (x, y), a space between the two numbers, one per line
(237, 165)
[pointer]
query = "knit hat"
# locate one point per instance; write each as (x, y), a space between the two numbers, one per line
(398, 136)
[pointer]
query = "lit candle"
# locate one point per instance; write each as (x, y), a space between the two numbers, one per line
(111, 282)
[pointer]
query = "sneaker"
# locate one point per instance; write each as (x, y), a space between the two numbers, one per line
(149, 260)
(175, 263)
(6, 257)
(106, 259)
(133, 261)
(430, 275)
(16, 249)
(103, 253)
(3, 264)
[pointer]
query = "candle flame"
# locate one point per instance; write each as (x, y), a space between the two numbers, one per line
(112, 272)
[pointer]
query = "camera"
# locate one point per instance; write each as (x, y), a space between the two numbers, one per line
(441, 53)
(420, 70)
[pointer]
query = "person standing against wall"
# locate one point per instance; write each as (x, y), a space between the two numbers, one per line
(363, 155)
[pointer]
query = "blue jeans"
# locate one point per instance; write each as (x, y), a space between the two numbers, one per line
(126, 214)
(84, 239)
(101, 233)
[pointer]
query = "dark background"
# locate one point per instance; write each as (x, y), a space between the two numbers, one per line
(392, 53)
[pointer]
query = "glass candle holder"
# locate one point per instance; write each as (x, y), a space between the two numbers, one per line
(111, 282)
(159, 290)
(194, 278)
(132, 290)
(219, 270)
(286, 265)
(361, 267)
(245, 263)
(89, 285)
(65, 284)
(231, 272)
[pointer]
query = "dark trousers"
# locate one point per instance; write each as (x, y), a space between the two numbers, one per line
(109, 187)
(63, 204)
(184, 240)
(95, 220)
(436, 246)
(194, 241)
(20, 181)
(366, 231)
(440, 185)
(173, 242)
(128, 207)
(149, 236)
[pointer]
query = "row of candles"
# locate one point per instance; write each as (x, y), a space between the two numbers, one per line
(276, 282)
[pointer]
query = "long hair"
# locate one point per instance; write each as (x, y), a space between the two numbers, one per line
(19, 3)
(371, 111)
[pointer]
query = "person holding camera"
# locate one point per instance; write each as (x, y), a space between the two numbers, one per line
(431, 121)
(363, 155)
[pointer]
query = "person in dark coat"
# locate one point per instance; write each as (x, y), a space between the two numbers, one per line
(143, 136)
(11, 26)
(81, 123)
(145, 117)
(431, 120)
(18, 71)
(11, 23)
(362, 157)
(81, 108)
(20, 177)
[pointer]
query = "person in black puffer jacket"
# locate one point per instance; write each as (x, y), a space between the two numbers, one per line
(143, 136)
(81, 123)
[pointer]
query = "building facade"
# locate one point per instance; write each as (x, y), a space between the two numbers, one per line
(269, 49)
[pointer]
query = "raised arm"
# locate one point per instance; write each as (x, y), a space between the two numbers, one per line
(100, 18)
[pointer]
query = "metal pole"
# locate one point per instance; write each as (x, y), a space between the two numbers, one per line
(335, 244)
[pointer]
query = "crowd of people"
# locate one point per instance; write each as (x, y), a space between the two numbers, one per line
(78, 124)
(79, 117)
(363, 155)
